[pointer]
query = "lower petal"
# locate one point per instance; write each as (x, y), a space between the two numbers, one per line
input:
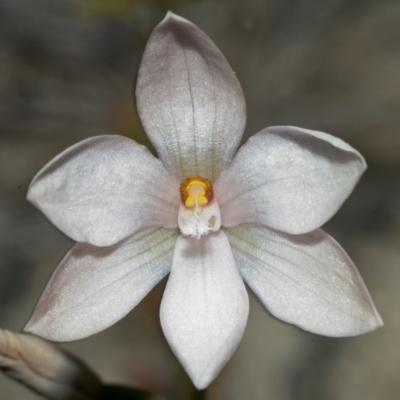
(94, 287)
(205, 306)
(307, 280)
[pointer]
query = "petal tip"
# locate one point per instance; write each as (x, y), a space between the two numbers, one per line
(37, 329)
(375, 319)
(202, 378)
(200, 383)
(30, 328)
(173, 17)
(379, 320)
(375, 323)
(31, 193)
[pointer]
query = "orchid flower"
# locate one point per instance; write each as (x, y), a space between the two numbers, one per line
(207, 214)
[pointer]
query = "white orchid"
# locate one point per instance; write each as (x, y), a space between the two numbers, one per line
(202, 213)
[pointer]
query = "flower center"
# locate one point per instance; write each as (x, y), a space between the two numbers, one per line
(199, 212)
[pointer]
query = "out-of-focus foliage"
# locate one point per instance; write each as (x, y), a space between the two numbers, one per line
(106, 8)
(122, 8)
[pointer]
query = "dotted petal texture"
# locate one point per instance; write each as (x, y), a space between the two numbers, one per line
(307, 280)
(104, 189)
(189, 100)
(94, 287)
(288, 178)
(205, 306)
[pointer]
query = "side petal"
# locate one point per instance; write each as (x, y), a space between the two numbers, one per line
(189, 100)
(288, 178)
(94, 287)
(307, 280)
(205, 306)
(104, 189)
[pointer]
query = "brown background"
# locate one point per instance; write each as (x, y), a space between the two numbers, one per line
(67, 70)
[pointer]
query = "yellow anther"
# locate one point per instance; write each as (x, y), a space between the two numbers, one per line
(190, 202)
(196, 192)
(202, 200)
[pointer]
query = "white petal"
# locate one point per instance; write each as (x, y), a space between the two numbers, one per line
(94, 287)
(205, 306)
(289, 179)
(189, 100)
(307, 280)
(104, 189)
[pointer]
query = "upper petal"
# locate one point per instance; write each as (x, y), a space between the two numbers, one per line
(288, 178)
(307, 280)
(189, 100)
(104, 189)
(94, 287)
(205, 306)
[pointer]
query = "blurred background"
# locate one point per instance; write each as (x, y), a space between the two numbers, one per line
(67, 72)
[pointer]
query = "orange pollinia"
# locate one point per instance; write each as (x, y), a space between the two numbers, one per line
(196, 191)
